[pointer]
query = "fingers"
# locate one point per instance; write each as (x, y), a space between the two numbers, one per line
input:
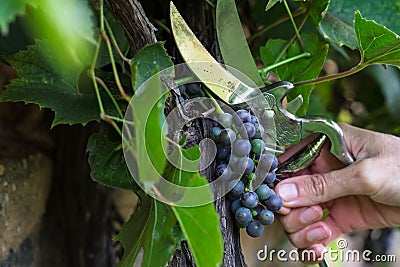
(308, 190)
(316, 233)
(299, 218)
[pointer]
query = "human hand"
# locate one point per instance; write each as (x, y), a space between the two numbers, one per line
(360, 196)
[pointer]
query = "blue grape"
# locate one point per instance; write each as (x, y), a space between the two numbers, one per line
(266, 217)
(270, 178)
(223, 152)
(243, 217)
(241, 147)
(223, 171)
(227, 136)
(255, 229)
(215, 133)
(253, 119)
(237, 189)
(267, 162)
(249, 166)
(250, 199)
(264, 192)
(250, 129)
(238, 164)
(235, 205)
(243, 115)
(225, 119)
(274, 203)
(257, 146)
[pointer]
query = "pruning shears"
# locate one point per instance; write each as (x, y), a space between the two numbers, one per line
(236, 93)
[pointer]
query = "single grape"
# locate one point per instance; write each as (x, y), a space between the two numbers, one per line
(235, 205)
(250, 129)
(250, 199)
(215, 133)
(241, 147)
(243, 115)
(223, 152)
(267, 162)
(266, 217)
(243, 217)
(249, 166)
(238, 164)
(223, 171)
(273, 203)
(253, 119)
(193, 89)
(257, 146)
(225, 119)
(270, 178)
(238, 188)
(255, 229)
(264, 192)
(227, 136)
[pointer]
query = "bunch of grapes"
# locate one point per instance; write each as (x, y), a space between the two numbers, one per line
(240, 147)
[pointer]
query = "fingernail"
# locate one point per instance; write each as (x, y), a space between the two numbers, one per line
(288, 192)
(309, 216)
(316, 234)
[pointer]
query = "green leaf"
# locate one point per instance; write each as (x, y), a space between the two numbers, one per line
(318, 10)
(107, 163)
(271, 3)
(55, 88)
(200, 226)
(150, 230)
(232, 42)
(299, 70)
(337, 25)
(10, 9)
(377, 44)
(339, 31)
(150, 58)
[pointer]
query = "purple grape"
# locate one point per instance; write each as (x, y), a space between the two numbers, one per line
(250, 199)
(225, 119)
(235, 205)
(273, 203)
(243, 115)
(255, 229)
(241, 147)
(243, 217)
(249, 166)
(266, 217)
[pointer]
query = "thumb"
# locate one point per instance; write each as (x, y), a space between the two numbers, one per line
(308, 190)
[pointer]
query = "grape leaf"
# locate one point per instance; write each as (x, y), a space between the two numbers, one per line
(271, 3)
(377, 44)
(298, 70)
(200, 226)
(338, 23)
(318, 10)
(148, 59)
(107, 163)
(39, 82)
(150, 230)
(10, 9)
(232, 42)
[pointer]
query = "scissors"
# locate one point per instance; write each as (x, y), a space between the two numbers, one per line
(236, 93)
